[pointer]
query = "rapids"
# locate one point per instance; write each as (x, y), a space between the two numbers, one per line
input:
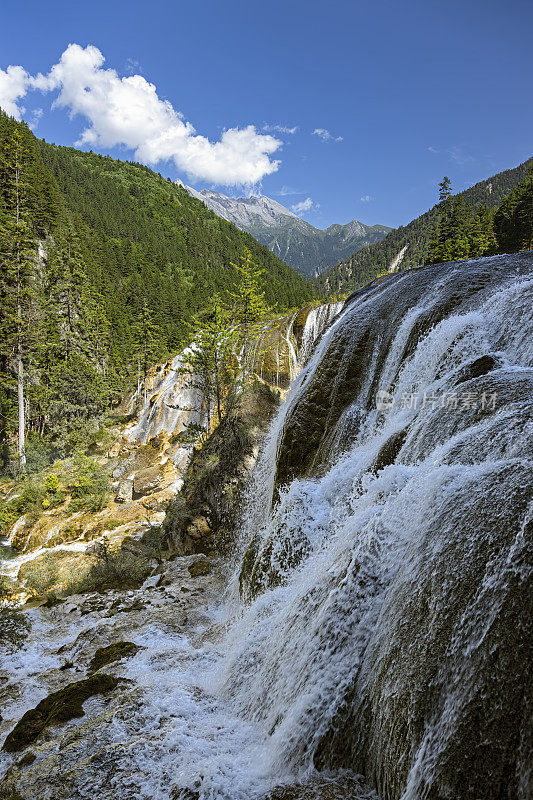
(378, 621)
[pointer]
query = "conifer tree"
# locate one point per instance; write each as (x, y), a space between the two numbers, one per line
(147, 348)
(513, 222)
(249, 309)
(17, 260)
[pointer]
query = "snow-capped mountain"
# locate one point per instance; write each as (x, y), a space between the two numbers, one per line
(306, 248)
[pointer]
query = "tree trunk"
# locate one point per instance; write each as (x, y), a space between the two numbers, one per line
(20, 389)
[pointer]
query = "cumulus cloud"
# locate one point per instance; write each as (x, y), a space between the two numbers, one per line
(127, 111)
(279, 128)
(326, 136)
(14, 83)
(303, 205)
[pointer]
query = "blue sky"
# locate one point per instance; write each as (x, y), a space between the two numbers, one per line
(386, 97)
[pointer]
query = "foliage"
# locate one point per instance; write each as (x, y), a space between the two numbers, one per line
(513, 222)
(112, 568)
(460, 231)
(416, 237)
(89, 484)
(42, 573)
(108, 263)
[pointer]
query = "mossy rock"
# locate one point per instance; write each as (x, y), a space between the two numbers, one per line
(59, 706)
(111, 653)
(199, 568)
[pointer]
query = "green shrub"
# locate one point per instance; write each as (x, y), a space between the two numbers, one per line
(8, 515)
(111, 569)
(90, 483)
(51, 483)
(42, 573)
(14, 627)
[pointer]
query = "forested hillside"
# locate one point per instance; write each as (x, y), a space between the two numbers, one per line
(103, 264)
(415, 243)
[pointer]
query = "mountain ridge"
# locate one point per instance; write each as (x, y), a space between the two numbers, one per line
(407, 246)
(304, 247)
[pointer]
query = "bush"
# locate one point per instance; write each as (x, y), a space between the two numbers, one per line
(14, 627)
(111, 569)
(41, 574)
(51, 483)
(40, 453)
(90, 484)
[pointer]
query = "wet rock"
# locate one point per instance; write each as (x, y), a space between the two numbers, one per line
(59, 706)
(51, 601)
(26, 760)
(202, 517)
(111, 653)
(152, 479)
(477, 368)
(199, 568)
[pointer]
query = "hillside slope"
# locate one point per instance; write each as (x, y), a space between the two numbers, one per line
(308, 249)
(116, 263)
(408, 245)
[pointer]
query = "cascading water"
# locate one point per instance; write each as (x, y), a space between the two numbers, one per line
(315, 324)
(386, 563)
(384, 567)
(172, 402)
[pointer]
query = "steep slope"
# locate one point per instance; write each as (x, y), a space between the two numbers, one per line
(306, 248)
(408, 246)
(118, 261)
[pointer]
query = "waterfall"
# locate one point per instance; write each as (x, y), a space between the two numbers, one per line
(317, 320)
(375, 641)
(384, 570)
(172, 402)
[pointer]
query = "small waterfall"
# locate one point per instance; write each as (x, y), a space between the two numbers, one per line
(284, 345)
(172, 402)
(386, 539)
(315, 324)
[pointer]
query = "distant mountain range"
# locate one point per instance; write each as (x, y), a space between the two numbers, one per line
(308, 249)
(408, 246)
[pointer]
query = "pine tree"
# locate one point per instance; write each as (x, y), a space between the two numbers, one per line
(147, 347)
(513, 222)
(17, 259)
(249, 309)
(445, 189)
(210, 362)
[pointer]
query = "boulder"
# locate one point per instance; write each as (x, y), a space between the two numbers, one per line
(111, 653)
(59, 706)
(153, 479)
(125, 491)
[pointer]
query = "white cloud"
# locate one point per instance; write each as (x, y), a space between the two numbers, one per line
(303, 205)
(279, 128)
(326, 136)
(13, 85)
(459, 155)
(36, 115)
(128, 112)
(432, 149)
(285, 190)
(366, 198)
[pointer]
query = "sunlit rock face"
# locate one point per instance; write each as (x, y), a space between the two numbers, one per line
(387, 565)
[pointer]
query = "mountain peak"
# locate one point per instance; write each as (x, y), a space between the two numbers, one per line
(301, 245)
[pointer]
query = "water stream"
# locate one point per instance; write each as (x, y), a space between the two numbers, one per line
(385, 561)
